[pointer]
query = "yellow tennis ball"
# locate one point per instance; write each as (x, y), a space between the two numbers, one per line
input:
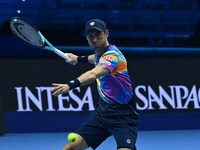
(72, 137)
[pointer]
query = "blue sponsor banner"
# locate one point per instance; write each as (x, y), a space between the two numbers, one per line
(166, 91)
(38, 121)
(69, 121)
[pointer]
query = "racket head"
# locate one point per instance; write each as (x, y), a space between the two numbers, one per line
(26, 32)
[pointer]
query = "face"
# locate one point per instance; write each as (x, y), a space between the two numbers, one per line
(96, 39)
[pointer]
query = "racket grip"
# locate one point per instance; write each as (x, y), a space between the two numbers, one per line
(61, 54)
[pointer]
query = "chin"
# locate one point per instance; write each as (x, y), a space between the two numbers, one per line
(94, 47)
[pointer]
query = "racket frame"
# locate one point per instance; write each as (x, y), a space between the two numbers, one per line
(44, 40)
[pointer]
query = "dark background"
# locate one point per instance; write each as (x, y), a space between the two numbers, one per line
(160, 39)
(148, 23)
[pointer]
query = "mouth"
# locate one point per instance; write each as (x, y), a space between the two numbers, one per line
(94, 44)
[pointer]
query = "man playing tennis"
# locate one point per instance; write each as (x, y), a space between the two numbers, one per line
(115, 115)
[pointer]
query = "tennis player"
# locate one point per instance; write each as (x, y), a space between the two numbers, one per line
(116, 114)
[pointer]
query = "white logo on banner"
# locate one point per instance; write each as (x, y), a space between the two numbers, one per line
(174, 97)
(179, 97)
(25, 105)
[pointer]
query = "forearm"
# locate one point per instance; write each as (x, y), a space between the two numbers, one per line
(87, 78)
(90, 76)
(84, 79)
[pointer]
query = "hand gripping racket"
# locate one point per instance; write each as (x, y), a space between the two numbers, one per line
(29, 34)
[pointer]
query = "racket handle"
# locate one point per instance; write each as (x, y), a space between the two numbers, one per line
(61, 54)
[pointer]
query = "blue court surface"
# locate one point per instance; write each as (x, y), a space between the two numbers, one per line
(147, 140)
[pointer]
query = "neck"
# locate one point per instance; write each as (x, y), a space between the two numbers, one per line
(101, 51)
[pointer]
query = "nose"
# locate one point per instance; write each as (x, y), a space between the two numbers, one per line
(94, 40)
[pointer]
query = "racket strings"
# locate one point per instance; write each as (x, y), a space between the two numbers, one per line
(26, 32)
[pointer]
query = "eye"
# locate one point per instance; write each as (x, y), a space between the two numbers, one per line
(98, 34)
(90, 36)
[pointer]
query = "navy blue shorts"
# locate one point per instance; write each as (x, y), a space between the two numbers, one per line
(97, 128)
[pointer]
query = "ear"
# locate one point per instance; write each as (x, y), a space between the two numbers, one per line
(107, 33)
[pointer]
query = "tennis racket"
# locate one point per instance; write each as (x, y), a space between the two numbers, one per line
(29, 34)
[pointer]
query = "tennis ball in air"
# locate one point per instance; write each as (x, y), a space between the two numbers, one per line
(72, 137)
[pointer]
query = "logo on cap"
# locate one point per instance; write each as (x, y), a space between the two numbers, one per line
(92, 23)
(128, 141)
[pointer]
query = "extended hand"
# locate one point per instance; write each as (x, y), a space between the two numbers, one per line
(59, 89)
(72, 58)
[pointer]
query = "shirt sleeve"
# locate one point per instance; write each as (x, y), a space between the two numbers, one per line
(109, 60)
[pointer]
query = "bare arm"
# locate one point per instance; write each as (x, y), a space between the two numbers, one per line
(85, 79)
(90, 76)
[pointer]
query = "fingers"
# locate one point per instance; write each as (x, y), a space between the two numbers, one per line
(59, 89)
(69, 61)
(72, 58)
(68, 54)
(57, 92)
(55, 84)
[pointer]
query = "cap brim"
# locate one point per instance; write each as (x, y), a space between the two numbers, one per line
(96, 28)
